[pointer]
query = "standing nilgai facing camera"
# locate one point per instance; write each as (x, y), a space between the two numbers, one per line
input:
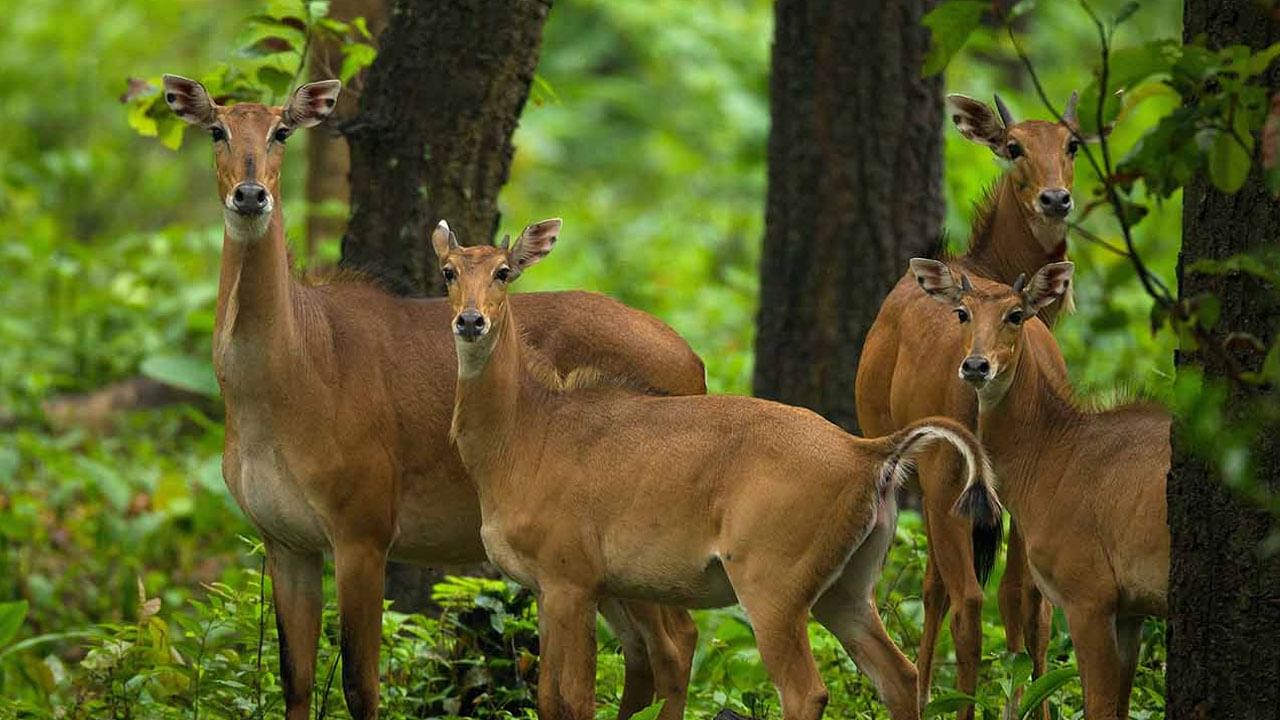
(589, 491)
(338, 402)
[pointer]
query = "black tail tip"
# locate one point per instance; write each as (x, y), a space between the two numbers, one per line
(986, 543)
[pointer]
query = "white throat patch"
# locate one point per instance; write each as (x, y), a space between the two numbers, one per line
(472, 356)
(246, 228)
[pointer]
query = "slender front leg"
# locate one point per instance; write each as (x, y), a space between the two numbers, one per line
(1103, 673)
(1129, 642)
(936, 601)
(637, 684)
(567, 667)
(1027, 616)
(951, 550)
(297, 587)
(360, 567)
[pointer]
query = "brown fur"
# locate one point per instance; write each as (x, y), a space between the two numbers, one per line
(907, 372)
(686, 501)
(1087, 489)
(339, 399)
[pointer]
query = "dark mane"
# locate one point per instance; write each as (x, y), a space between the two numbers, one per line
(980, 229)
(583, 378)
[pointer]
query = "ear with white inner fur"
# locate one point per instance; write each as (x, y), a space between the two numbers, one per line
(312, 103)
(976, 121)
(534, 243)
(935, 279)
(1049, 284)
(189, 100)
(443, 240)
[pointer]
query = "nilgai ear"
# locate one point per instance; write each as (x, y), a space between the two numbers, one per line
(1049, 284)
(312, 103)
(189, 100)
(934, 277)
(534, 243)
(977, 122)
(443, 240)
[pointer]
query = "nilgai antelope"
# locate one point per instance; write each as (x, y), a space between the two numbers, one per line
(1019, 227)
(1087, 488)
(589, 491)
(339, 399)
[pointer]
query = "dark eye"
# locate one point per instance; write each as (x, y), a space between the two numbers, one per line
(1014, 150)
(1073, 147)
(281, 134)
(503, 274)
(217, 133)
(1014, 317)
(449, 274)
(962, 314)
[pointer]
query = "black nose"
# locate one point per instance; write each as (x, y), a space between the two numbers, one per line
(469, 325)
(1055, 202)
(975, 367)
(249, 198)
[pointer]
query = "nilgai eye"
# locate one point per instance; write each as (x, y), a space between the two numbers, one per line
(1015, 317)
(962, 314)
(1015, 151)
(217, 133)
(503, 274)
(1073, 147)
(281, 134)
(449, 274)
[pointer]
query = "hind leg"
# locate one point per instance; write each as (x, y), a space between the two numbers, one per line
(1026, 615)
(936, 601)
(951, 549)
(848, 610)
(658, 644)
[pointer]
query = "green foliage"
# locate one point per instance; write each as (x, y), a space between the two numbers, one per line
(273, 48)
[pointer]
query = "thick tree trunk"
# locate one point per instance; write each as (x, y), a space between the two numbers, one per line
(1224, 594)
(432, 140)
(327, 161)
(855, 189)
(433, 136)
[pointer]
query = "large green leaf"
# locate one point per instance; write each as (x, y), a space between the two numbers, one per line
(1228, 163)
(1045, 686)
(184, 372)
(950, 23)
(950, 702)
(11, 616)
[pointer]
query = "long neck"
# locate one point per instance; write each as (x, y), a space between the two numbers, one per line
(492, 383)
(1007, 243)
(1028, 431)
(255, 313)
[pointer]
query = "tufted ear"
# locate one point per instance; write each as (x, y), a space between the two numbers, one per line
(535, 243)
(934, 277)
(977, 122)
(443, 241)
(1049, 284)
(189, 100)
(312, 103)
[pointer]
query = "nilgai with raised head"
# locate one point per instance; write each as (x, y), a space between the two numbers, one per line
(339, 398)
(589, 492)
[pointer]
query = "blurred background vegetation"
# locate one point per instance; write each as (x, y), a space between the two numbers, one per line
(646, 134)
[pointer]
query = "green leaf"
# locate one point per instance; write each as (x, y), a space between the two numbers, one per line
(949, 702)
(171, 132)
(317, 9)
(276, 79)
(1261, 60)
(183, 372)
(1128, 68)
(11, 616)
(140, 119)
(1045, 686)
(356, 57)
(1125, 13)
(950, 23)
(1228, 163)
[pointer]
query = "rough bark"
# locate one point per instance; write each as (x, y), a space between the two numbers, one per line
(433, 136)
(1224, 595)
(432, 140)
(855, 189)
(327, 161)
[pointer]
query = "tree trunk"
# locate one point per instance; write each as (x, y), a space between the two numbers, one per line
(855, 189)
(1224, 594)
(432, 140)
(327, 161)
(433, 136)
